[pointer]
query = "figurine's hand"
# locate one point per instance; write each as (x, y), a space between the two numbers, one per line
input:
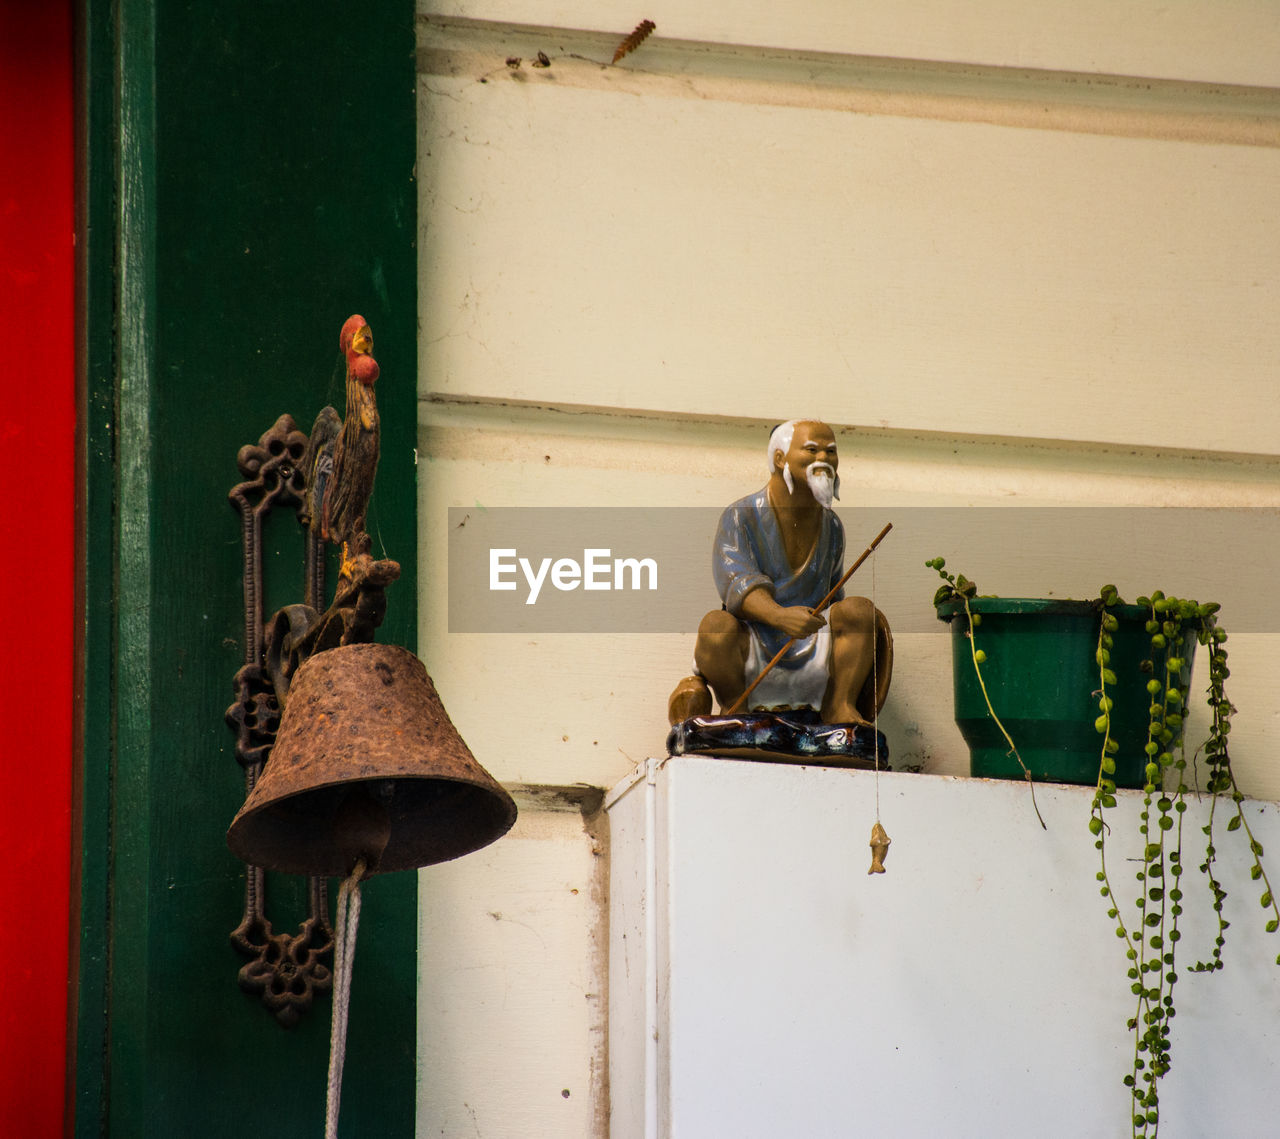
(797, 621)
(794, 620)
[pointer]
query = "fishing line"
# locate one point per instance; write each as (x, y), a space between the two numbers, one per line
(879, 838)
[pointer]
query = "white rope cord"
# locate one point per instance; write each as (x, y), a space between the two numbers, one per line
(344, 952)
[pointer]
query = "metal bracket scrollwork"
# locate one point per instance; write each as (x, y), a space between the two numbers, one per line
(285, 969)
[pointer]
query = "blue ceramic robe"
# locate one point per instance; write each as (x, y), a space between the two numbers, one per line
(749, 552)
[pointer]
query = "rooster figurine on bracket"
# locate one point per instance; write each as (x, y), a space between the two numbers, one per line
(343, 489)
(339, 467)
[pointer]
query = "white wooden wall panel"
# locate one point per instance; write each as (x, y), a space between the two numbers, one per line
(717, 258)
(1231, 41)
(520, 929)
(979, 276)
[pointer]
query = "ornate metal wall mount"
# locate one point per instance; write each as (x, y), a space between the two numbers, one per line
(287, 969)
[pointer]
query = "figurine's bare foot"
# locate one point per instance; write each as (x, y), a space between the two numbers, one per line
(691, 697)
(843, 715)
(837, 710)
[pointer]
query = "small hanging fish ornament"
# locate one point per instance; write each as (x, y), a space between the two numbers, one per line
(879, 848)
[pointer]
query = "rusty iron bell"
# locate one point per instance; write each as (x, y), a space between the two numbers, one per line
(367, 765)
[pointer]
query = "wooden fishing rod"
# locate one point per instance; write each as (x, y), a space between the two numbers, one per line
(741, 701)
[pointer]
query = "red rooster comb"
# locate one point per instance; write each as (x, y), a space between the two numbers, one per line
(352, 325)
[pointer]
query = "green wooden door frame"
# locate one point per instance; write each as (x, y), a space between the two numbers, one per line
(246, 182)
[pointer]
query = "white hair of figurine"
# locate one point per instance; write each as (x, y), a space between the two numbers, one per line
(780, 440)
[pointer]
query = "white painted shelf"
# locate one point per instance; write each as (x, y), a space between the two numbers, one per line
(762, 984)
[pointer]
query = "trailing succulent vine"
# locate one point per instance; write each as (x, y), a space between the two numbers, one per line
(1151, 936)
(959, 588)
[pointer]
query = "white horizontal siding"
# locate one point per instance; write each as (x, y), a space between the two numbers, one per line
(1229, 41)
(1003, 287)
(720, 258)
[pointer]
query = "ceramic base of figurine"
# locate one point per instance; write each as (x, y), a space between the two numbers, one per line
(780, 737)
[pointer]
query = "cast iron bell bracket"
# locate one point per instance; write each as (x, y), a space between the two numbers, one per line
(287, 969)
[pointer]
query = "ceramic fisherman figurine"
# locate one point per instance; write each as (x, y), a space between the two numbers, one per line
(777, 554)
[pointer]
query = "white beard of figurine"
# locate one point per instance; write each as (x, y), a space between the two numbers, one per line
(823, 482)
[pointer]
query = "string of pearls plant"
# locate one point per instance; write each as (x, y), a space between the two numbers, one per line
(1151, 935)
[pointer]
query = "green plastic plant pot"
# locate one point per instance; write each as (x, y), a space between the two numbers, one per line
(1042, 676)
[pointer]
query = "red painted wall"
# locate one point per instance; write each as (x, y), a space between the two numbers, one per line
(37, 420)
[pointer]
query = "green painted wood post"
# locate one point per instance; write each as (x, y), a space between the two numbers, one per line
(247, 183)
